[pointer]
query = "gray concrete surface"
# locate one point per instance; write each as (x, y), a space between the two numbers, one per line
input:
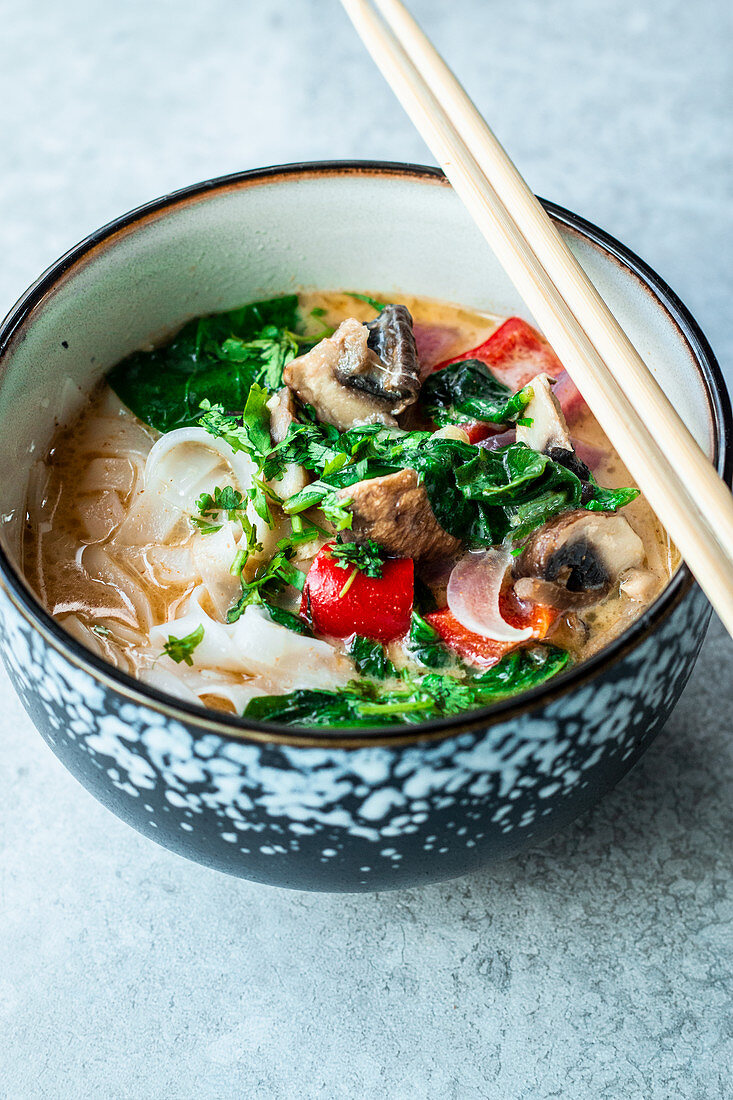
(598, 966)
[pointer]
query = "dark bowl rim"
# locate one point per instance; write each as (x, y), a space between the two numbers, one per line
(232, 726)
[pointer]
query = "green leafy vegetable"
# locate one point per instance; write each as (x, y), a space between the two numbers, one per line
(269, 579)
(213, 358)
(478, 495)
(227, 500)
(181, 649)
(367, 557)
(436, 695)
(370, 658)
(520, 670)
(205, 526)
(426, 644)
(268, 354)
(287, 619)
(610, 500)
(373, 302)
(466, 391)
(230, 501)
(252, 435)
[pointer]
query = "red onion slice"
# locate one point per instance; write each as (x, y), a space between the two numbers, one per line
(473, 595)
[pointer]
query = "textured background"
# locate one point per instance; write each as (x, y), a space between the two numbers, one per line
(598, 966)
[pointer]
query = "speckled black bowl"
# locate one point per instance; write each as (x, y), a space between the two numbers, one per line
(328, 811)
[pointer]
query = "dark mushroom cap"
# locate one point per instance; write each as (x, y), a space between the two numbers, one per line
(392, 372)
(581, 555)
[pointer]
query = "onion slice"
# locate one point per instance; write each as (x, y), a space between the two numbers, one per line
(473, 595)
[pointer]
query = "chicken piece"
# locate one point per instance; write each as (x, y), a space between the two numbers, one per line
(395, 511)
(318, 379)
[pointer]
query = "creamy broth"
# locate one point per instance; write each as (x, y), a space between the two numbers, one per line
(121, 569)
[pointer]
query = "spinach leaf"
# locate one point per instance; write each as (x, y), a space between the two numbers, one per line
(213, 358)
(370, 658)
(609, 500)
(287, 619)
(432, 696)
(518, 489)
(466, 391)
(478, 495)
(426, 644)
(520, 670)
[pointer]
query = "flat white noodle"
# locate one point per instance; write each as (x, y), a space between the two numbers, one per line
(100, 566)
(101, 513)
(113, 472)
(212, 556)
(255, 646)
(171, 564)
(182, 465)
(193, 684)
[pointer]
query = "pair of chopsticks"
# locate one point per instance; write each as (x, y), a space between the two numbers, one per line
(681, 485)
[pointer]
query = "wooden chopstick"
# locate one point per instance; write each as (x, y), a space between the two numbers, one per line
(680, 483)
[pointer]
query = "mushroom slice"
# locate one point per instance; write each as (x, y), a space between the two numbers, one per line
(548, 428)
(640, 585)
(396, 373)
(319, 378)
(584, 553)
(394, 510)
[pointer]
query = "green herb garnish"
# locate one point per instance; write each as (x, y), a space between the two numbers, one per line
(181, 649)
(269, 579)
(367, 557)
(287, 619)
(373, 302)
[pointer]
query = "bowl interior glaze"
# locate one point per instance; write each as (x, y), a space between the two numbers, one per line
(387, 228)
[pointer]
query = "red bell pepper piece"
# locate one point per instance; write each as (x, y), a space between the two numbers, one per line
(485, 652)
(571, 400)
(476, 431)
(344, 602)
(515, 353)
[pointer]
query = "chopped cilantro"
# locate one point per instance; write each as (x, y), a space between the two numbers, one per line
(367, 557)
(181, 649)
(270, 578)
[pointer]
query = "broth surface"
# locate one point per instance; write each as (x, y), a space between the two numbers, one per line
(109, 587)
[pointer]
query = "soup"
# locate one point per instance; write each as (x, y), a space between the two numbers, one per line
(330, 510)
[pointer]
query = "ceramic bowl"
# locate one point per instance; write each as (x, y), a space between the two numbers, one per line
(320, 810)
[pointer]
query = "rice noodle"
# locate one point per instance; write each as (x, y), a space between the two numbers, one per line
(256, 646)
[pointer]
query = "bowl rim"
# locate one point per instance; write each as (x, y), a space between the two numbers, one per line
(237, 728)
